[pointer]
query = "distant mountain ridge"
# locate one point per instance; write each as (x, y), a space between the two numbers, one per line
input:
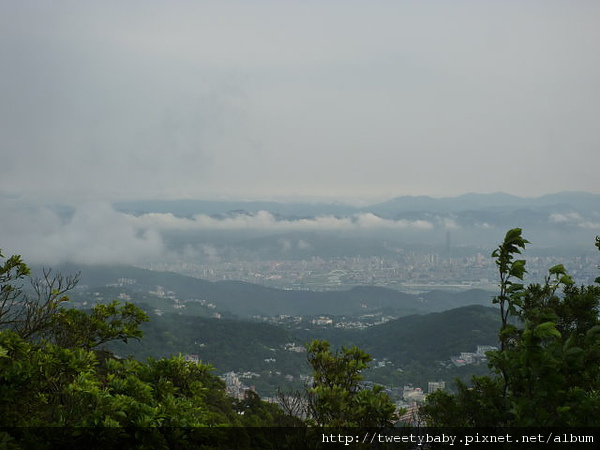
(498, 200)
(563, 219)
(469, 201)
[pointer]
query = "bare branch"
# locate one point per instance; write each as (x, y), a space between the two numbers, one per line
(29, 312)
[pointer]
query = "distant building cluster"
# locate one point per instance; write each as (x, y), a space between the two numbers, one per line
(360, 322)
(477, 357)
(413, 394)
(406, 270)
(192, 358)
(322, 321)
(413, 398)
(292, 347)
(433, 386)
(233, 386)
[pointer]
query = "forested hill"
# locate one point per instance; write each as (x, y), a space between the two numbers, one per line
(425, 338)
(417, 341)
(246, 300)
(433, 336)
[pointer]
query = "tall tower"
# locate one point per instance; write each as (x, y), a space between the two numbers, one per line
(448, 244)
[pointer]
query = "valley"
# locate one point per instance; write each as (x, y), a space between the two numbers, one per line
(256, 335)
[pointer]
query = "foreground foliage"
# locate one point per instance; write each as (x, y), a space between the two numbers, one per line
(337, 398)
(53, 372)
(547, 365)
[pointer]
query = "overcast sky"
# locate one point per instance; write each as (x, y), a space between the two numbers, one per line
(107, 100)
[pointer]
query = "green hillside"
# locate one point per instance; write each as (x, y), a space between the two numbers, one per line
(246, 300)
(228, 345)
(417, 349)
(419, 345)
(434, 336)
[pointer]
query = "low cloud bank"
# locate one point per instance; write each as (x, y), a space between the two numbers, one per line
(95, 233)
(574, 219)
(92, 233)
(264, 220)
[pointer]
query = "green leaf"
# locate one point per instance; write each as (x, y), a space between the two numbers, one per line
(559, 269)
(574, 351)
(566, 280)
(590, 334)
(546, 330)
(517, 269)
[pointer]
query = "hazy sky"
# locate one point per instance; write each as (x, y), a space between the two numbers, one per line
(106, 100)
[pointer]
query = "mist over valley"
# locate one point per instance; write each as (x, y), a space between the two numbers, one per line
(221, 279)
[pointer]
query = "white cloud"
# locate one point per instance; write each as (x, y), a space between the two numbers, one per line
(565, 218)
(95, 233)
(449, 223)
(303, 245)
(92, 233)
(263, 220)
(574, 219)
